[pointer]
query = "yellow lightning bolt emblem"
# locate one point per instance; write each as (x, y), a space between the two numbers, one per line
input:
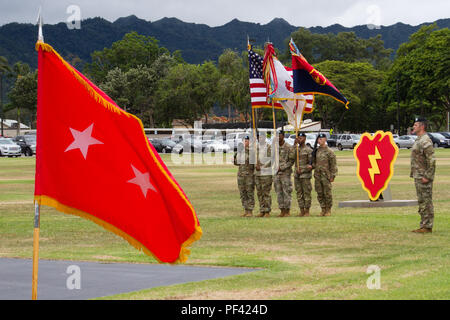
(374, 165)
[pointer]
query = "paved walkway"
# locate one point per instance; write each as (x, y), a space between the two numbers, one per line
(96, 279)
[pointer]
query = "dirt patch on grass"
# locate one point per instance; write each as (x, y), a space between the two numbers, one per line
(108, 258)
(255, 294)
(16, 202)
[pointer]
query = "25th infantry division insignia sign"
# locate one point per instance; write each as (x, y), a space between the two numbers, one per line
(375, 156)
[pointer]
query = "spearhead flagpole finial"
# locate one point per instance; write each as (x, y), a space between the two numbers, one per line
(40, 22)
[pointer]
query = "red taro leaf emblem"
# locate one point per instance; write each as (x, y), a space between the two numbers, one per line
(375, 156)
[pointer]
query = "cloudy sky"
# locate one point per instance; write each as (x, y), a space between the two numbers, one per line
(305, 13)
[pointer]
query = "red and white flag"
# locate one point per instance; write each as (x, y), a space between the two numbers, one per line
(281, 83)
(94, 160)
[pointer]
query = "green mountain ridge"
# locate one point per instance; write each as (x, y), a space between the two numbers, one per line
(197, 42)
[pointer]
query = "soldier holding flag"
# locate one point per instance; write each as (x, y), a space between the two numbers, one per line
(245, 177)
(282, 180)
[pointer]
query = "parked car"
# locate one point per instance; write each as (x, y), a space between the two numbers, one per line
(348, 141)
(27, 144)
(167, 145)
(163, 145)
(188, 144)
(332, 139)
(445, 134)
(439, 140)
(216, 146)
(9, 148)
(289, 139)
(234, 139)
(310, 139)
(405, 141)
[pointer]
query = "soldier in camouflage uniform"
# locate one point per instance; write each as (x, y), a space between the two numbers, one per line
(325, 170)
(263, 176)
(303, 174)
(245, 177)
(423, 166)
(282, 181)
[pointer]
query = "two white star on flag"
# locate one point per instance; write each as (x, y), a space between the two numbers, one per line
(142, 180)
(82, 140)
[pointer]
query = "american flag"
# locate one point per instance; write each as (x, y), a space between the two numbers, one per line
(258, 91)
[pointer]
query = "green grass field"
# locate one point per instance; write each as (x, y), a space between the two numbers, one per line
(300, 258)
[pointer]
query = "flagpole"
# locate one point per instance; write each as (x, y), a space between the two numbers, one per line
(296, 130)
(37, 223)
(253, 120)
(37, 207)
(275, 134)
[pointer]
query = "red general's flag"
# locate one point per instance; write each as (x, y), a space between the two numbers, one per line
(93, 160)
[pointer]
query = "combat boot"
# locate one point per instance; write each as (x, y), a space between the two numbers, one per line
(322, 213)
(266, 215)
(248, 213)
(287, 213)
(327, 212)
(423, 230)
(244, 213)
(282, 213)
(302, 212)
(306, 212)
(260, 215)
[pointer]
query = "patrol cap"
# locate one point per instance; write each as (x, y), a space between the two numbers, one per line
(420, 119)
(322, 135)
(301, 134)
(247, 137)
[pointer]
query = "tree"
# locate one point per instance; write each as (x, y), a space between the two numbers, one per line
(187, 93)
(4, 69)
(23, 94)
(359, 83)
(419, 77)
(132, 51)
(134, 89)
(233, 84)
(208, 89)
(19, 70)
(344, 46)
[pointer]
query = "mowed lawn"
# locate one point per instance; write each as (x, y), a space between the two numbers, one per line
(298, 258)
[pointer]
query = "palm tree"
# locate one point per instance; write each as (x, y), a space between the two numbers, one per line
(4, 68)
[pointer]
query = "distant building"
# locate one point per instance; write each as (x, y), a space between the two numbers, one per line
(306, 126)
(12, 124)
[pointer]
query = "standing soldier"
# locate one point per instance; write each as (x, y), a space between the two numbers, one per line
(263, 176)
(245, 177)
(325, 170)
(423, 166)
(303, 174)
(282, 180)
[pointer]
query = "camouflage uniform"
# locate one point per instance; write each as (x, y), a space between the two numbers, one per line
(263, 180)
(246, 179)
(282, 180)
(423, 165)
(302, 180)
(325, 169)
